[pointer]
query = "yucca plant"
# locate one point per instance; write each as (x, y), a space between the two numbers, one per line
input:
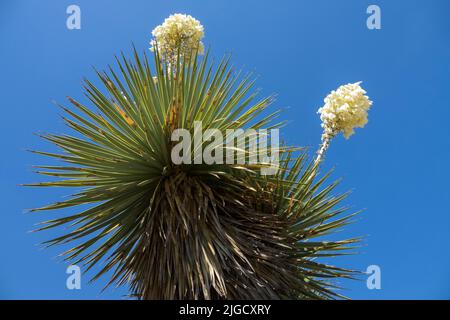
(190, 231)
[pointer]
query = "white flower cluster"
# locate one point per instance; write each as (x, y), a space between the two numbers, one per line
(179, 33)
(344, 109)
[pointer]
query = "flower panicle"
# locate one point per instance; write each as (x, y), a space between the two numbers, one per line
(344, 109)
(179, 34)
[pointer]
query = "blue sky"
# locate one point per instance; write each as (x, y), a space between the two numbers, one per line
(397, 166)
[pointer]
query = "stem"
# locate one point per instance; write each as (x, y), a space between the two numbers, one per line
(323, 148)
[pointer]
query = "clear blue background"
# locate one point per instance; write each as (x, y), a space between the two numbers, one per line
(397, 167)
